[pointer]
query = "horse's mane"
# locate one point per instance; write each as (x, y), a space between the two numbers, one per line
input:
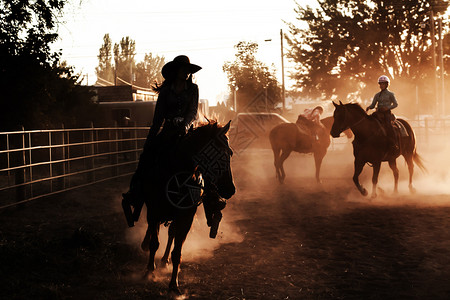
(356, 107)
(204, 126)
(204, 129)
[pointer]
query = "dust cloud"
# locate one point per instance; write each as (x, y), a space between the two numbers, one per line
(254, 176)
(198, 244)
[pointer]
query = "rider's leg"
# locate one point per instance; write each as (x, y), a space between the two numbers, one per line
(133, 198)
(390, 131)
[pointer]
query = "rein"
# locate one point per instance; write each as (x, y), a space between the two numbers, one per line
(345, 119)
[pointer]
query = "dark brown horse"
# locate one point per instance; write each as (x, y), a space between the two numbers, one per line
(287, 137)
(171, 196)
(371, 144)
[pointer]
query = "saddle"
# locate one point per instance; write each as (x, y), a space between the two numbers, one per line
(400, 128)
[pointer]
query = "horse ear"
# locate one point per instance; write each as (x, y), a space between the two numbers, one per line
(227, 127)
(335, 105)
(340, 102)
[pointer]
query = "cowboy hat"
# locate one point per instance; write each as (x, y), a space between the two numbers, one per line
(171, 67)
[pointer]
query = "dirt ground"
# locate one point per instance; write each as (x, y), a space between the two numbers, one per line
(299, 240)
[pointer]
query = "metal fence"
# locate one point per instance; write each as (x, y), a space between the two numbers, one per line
(39, 163)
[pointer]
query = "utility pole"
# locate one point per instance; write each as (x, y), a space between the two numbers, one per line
(433, 44)
(115, 72)
(441, 66)
(282, 73)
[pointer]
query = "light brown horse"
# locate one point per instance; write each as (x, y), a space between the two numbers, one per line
(371, 144)
(287, 137)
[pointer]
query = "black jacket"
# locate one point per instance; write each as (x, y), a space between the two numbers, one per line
(171, 105)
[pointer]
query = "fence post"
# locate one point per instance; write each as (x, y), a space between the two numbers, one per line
(115, 155)
(135, 137)
(59, 169)
(18, 142)
(90, 151)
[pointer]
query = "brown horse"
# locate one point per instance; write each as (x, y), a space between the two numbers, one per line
(287, 137)
(371, 144)
(171, 196)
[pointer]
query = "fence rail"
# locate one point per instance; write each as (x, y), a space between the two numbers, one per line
(39, 163)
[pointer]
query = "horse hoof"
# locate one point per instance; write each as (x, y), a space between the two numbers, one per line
(164, 263)
(412, 190)
(364, 192)
(175, 290)
(148, 275)
(374, 196)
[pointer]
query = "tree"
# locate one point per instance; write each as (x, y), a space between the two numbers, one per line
(251, 79)
(348, 44)
(105, 69)
(143, 74)
(37, 90)
(124, 54)
(149, 70)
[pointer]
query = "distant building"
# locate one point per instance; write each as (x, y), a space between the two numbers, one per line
(123, 93)
(125, 104)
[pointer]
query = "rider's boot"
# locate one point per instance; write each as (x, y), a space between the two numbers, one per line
(215, 221)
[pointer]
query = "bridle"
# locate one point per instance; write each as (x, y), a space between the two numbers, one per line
(212, 161)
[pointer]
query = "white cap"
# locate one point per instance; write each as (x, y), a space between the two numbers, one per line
(383, 78)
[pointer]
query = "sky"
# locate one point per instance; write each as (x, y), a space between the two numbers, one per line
(204, 30)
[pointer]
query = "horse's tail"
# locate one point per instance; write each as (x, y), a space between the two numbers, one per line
(419, 161)
(275, 148)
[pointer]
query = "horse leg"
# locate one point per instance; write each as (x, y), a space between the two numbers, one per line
(182, 227)
(358, 169)
(318, 157)
(153, 245)
(276, 157)
(393, 166)
(410, 163)
(284, 155)
(171, 235)
(376, 172)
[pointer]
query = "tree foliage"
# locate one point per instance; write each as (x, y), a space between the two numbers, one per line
(124, 54)
(143, 74)
(347, 44)
(251, 78)
(37, 91)
(105, 68)
(148, 71)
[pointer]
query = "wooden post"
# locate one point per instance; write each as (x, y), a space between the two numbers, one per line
(18, 142)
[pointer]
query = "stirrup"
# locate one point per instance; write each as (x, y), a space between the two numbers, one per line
(126, 206)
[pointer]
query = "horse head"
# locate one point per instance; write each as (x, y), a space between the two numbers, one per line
(346, 116)
(339, 116)
(212, 158)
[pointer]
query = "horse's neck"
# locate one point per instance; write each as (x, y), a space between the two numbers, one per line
(194, 144)
(360, 124)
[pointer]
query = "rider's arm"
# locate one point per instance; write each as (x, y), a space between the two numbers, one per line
(158, 116)
(393, 101)
(374, 102)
